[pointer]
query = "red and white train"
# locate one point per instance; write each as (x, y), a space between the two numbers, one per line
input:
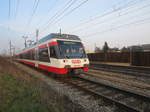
(60, 54)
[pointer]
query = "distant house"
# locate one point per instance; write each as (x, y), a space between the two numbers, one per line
(136, 48)
(144, 47)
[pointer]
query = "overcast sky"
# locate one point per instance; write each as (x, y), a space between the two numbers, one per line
(119, 22)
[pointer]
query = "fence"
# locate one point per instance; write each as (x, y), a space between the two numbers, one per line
(140, 58)
(134, 58)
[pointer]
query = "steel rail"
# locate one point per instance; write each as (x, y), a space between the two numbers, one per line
(122, 69)
(110, 87)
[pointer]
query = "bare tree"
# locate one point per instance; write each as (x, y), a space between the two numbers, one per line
(105, 48)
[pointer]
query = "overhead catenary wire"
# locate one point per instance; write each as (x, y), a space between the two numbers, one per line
(142, 21)
(112, 19)
(72, 10)
(9, 4)
(17, 7)
(59, 13)
(113, 10)
(49, 12)
(36, 3)
(78, 6)
(112, 28)
(9, 14)
(34, 10)
(9, 11)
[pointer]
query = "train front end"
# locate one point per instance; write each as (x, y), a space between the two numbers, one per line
(73, 57)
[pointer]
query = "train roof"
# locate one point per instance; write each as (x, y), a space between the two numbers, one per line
(58, 36)
(54, 36)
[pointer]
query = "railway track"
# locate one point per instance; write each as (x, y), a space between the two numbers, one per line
(137, 71)
(124, 99)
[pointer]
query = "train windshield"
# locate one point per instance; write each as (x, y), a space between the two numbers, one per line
(69, 49)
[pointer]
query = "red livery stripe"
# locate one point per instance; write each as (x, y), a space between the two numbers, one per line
(54, 69)
(26, 51)
(43, 46)
(47, 68)
(28, 62)
(53, 43)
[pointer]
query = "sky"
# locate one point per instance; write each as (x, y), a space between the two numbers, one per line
(119, 22)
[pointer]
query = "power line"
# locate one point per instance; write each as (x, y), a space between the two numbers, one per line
(34, 10)
(120, 26)
(51, 18)
(9, 9)
(50, 9)
(9, 14)
(59, 13)
(108, 20)
(128, 4)
(36, 3)
(70, 11)
(116, 27)
(17, 7)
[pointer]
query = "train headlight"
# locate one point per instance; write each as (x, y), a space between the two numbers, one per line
(67, 66)
(65, 61)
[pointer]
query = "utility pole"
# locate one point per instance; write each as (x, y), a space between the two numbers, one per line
(13, 50)
(10, 47)
(25, 40)
(37, 35)
(60, 31)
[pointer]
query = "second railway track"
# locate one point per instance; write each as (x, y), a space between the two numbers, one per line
(124, 99)
(137, 71)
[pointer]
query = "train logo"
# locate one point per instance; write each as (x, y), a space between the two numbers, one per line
(76, 61)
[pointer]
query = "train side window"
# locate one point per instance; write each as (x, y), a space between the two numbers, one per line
(52, 52)
(43, 54)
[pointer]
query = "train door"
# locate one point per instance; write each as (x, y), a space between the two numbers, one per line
(53, 56)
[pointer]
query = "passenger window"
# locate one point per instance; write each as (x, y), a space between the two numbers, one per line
(52, 52)
(43, 54)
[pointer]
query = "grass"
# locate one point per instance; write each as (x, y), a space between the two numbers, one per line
(22, 92)
(16, 96)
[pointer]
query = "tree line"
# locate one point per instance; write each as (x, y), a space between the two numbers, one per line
(106, 49)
